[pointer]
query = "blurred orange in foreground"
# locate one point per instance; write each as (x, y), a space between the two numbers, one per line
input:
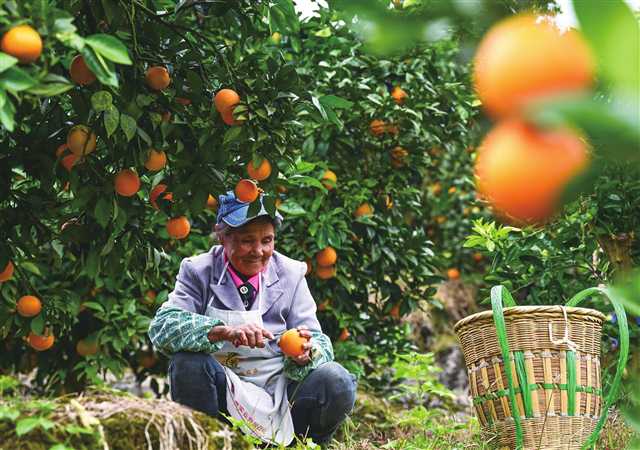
(522, 170)
(523, 57)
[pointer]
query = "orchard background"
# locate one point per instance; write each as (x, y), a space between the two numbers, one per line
(370, 126)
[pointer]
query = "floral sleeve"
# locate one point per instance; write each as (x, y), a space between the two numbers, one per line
(321, 352)
(174, 329)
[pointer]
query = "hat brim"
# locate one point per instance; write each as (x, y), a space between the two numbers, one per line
(238, 217)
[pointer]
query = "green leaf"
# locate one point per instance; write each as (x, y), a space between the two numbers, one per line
(31, 267)
(37, 324)
(101, 101)
(7, 412)
(95, 306)
(7, 112)
(324, 32)
(110, 47)
(50, 89)
(103, 70)
(128, 126)
(7, 61)
(317, 104)
(335, 102)
(232, 134)
(283, 17)
(613, 31)
(23, 426)
(103, 212)
(15, 79)
(111, 120)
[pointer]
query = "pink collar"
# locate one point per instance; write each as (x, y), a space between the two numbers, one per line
(254, 280)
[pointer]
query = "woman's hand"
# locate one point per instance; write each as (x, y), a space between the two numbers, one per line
(305, 358)
(248, 334)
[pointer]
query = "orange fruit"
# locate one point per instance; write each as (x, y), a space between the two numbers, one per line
(399, 95)
(41, 343)
(441, 219)
(522, 58)
(363, 210)
(436, 188)
(453, 273)
(393, 129)
(344, 335)
(246, 191)
(397, 163)
(522, 171)
(227, 117)
(156, 160)
(225, 100)
(212, 202)
(7, 273)
(261, 172)
(157, 78)
(477, 257)
(377, 127)
(326, 257)
(178, 227)
(29, 306)
(291, 343)
(324, 305)
(127, 183)
(452, 190)
(81, 140)
(22, 42)
(395, 311)
(325, 272)
(329, 179)
(155, 193)
(69, 161)
(183, 101)
(80, 73)
(87, 347)
(150, 297)
(399, 153)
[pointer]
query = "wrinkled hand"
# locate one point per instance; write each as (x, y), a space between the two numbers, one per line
(248, 334)
(304, 358)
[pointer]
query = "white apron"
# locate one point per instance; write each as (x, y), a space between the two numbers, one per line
(256, 384)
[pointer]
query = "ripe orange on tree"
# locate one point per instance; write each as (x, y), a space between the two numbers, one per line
(178, 227)
(29, 306)
(157, 78)
(7, 272)
(69, 161)
(41, 343)
(522, 57)
(246, 191)
(326, 257)
(377, 127)
(395, 311)
(183, 101)
(399, 95)
(363, 210)
(261, 172)
(344, 335)
(477, 257)
(156, 160)
(127, 183)
(81, 140)
(212, 202)
(226, 99)
(325, 272)
(87, 347)
(291, 343)
(522, 171)
(80, 72)
(453, 273)
(329, 179)
(324, 305)
(150, 297)
(399, 153)
(22, 42)
(155, 193)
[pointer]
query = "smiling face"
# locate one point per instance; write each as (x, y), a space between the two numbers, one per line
(250, 246)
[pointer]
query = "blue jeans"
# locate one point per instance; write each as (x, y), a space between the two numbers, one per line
(320, 403)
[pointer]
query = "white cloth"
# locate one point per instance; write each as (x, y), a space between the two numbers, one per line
(256, 383)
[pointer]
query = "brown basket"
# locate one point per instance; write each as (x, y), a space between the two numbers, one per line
(556, 424)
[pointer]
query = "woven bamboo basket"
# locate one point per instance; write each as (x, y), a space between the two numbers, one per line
(553, 377)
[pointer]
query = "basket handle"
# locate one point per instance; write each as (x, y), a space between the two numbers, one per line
(498, 294)
(623, 331)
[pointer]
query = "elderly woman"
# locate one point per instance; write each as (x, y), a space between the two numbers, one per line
(221, 326)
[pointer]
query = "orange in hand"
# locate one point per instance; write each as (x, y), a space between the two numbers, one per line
(291, 343)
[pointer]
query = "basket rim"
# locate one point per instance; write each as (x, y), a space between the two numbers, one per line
(512, 311)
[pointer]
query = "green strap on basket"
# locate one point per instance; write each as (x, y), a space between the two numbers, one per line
(500, 294)
(623, 331)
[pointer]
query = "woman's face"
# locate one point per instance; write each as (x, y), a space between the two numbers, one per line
(250, 246)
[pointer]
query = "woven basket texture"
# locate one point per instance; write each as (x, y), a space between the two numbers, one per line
(562, 397)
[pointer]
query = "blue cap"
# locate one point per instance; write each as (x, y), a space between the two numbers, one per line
(233, 212)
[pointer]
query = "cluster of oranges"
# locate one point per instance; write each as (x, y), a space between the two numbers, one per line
(522, 170)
